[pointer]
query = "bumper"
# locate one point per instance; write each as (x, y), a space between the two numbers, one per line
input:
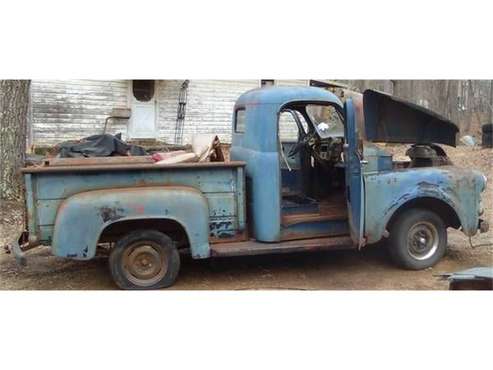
(17, 248)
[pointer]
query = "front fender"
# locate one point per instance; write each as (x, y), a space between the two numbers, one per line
(81, 218)
(387, 192)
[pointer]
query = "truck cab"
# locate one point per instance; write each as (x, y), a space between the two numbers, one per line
(295, 176)
(307, 172)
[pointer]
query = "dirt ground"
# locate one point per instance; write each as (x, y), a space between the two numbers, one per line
(370, 268)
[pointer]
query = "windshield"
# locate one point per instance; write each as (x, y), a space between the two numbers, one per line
(326, 120)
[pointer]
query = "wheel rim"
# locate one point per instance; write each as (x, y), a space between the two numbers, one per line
(422, 240)
(144, 263)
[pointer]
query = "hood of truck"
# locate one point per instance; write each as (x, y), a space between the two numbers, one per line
(393, 120)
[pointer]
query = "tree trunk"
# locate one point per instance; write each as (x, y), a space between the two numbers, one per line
(14, 104)
(490, 105)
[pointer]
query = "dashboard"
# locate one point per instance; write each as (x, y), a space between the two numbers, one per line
(329, 150)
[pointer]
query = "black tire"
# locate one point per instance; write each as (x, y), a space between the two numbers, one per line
(144, 260)
(487, 140)
(418, 239)
(487, 127)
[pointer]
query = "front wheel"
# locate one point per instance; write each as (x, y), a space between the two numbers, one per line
(144, 259)
(418, 239)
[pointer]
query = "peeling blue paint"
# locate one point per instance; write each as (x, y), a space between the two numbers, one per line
(455, 186)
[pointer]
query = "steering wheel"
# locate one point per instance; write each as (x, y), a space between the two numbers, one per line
(305, 140)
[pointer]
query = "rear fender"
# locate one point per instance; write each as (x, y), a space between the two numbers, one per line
(81, 218)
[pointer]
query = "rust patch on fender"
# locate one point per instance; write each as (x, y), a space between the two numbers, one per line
(111, 214)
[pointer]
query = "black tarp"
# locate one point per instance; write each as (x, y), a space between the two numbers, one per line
(105, 145)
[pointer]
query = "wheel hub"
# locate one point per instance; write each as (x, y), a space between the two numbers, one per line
(422, 240)
(144, 264)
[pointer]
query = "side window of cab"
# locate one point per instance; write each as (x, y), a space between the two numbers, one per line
(240, 121)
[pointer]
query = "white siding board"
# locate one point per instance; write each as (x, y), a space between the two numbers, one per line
(292, 82)
(168, 92)
(72, 109)
(210, 106)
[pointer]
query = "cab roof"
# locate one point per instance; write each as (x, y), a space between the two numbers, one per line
(284, 95)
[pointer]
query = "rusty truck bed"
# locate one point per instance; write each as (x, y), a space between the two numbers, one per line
(221, 183)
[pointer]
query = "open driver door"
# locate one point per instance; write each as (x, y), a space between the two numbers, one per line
(355, 192)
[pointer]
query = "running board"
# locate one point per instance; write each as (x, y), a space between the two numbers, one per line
(252, 247)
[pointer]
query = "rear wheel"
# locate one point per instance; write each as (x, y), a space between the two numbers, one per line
(418, 239)
(144, 259)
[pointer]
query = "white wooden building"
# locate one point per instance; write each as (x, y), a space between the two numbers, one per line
(167, 110)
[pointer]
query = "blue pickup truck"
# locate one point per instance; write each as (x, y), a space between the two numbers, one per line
(307, 173)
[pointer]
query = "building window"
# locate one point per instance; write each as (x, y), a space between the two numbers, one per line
(143, 90)
(240, 121)
(266, 83)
